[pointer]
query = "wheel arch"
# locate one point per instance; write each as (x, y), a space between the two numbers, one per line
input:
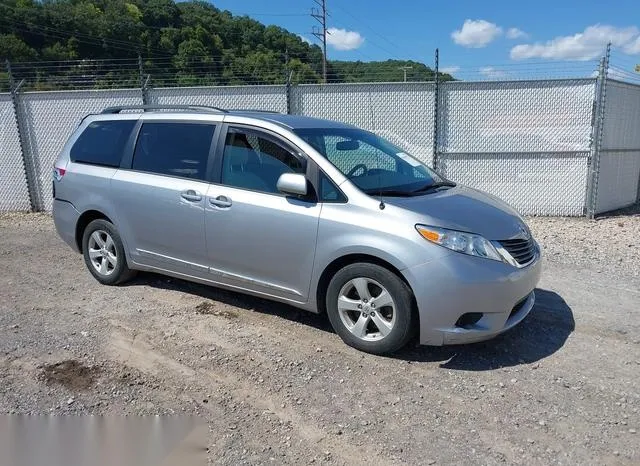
(342, 261)
(84, 220)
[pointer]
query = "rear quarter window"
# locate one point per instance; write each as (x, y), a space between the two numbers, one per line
(102, 143)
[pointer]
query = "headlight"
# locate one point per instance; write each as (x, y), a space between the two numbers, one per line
(466, 243)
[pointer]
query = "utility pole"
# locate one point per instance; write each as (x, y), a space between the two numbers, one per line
(405, 68)
(320, 15)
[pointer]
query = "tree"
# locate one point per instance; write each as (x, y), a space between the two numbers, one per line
(15, 49)
(190, 43)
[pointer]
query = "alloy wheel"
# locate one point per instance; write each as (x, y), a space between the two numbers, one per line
(102, 252)
(366, 309)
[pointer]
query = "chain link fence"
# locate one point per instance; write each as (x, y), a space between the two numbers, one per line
(255, 97)
(526, 142)
(531, 143)
(47, 119)
(619, 168)
(14, 193)
(399, 112)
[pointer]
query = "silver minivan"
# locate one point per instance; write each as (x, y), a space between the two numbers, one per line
(320, 215)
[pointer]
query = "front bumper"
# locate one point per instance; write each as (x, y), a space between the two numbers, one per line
(457, 284)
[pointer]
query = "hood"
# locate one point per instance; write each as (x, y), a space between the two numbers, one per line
(464, 209)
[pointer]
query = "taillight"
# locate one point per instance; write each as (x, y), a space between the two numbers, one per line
(58, 173)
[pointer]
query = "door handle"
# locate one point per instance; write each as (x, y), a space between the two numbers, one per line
(191, 195)
(220, 201)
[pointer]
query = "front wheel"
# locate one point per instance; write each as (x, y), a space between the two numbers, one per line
(370, 308)
(103, 253)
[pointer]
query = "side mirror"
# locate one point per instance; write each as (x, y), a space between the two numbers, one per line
(292, 183)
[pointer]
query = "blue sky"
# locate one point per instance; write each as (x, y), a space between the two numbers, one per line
(471, 35)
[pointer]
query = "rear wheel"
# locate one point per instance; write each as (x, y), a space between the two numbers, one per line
(103, 253)
(370, 308)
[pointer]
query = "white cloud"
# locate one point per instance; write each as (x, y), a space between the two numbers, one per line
(633, 47)
(515, 33)
(304, 39)
(449, 69)
(584, 45)
(492, 73)
(476, 33)
(341, 39)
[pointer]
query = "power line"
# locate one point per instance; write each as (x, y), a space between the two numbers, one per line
(271, 14)
(371, 29)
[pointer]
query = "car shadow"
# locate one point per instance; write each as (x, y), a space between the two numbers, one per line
(236, 299)
(542, 333)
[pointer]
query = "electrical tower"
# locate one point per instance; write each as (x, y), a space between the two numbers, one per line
(320, 15)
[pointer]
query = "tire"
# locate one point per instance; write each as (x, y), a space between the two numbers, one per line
(379, 330)
(103, 253)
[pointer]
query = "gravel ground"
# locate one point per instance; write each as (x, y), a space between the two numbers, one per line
(610, 244)
(276, 385)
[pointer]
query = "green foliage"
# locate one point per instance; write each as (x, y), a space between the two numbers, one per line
(4, 81)
(387, 71)
(15, 49)
(184, 43)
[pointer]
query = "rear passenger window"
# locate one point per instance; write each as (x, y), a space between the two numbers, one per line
(102, 143)
(176, 149)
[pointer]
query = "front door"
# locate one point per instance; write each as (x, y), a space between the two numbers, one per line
(160, 200)
(258, 238)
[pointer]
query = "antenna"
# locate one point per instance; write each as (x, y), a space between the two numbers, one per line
(321, 17)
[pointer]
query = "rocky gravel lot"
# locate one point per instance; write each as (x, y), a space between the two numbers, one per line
(610, 244)
(277, 386)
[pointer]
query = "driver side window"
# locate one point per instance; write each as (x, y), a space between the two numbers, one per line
(347, 158)
(254, 161)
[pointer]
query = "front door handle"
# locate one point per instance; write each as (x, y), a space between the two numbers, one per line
(191, 195)
(220, 201)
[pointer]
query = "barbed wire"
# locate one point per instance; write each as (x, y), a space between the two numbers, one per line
(218, 70)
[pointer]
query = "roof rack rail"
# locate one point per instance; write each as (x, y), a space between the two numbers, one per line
(193, 108)
(252, 110)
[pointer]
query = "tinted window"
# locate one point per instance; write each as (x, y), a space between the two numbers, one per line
(102, 143)
(176, 149)
(255, 162)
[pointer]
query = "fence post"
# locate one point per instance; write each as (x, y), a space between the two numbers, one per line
(29, 169)
(436, 98)
(287, 91)
(288, 76)
(638, 194)
(597, 129)
(143, 82)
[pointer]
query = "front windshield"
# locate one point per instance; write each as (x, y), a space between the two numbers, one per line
(371, 163)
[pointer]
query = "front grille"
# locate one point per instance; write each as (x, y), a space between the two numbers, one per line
(522, 250)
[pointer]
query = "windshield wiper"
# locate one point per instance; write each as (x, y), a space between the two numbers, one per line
(436, 185)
